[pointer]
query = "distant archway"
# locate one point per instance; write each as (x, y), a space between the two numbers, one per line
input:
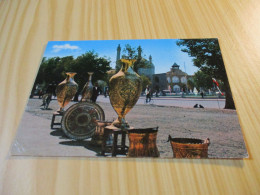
(176, 88)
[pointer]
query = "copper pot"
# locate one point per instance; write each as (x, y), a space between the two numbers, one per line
(189, 147)
(142, 143)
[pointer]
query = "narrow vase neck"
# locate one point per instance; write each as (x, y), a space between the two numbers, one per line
(126, 64)
(125, 67)
(70, 76)
(90, 76)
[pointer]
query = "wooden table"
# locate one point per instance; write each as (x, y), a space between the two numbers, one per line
(26, 27)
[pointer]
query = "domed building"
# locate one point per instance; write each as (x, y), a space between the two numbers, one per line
(149, 69)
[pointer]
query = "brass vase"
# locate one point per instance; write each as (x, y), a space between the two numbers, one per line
(125, 88)
(66, 90)
(87, 89)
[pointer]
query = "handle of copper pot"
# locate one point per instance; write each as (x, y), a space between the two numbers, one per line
(169, 138)
(207, 141)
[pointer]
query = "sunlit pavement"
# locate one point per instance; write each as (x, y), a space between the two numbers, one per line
(178, 102)
(35, 138)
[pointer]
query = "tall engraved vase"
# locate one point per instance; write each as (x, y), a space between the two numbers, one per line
(125, 88)
(66, 90)
(87, 89)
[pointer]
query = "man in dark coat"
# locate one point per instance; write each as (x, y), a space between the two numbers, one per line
(96, 92)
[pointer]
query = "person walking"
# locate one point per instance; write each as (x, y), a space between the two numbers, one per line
(106, 92)
(148, 94)
(96, 92)
(46, 98)
(202, 94)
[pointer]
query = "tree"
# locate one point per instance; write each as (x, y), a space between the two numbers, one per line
(89, 62)
(54, 69)
(190, 84)
(145, 81)
(202, 80)
(130, 52)
(208, 58)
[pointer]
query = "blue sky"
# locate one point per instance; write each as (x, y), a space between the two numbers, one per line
(164, 52)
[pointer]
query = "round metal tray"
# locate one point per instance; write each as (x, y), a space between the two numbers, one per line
(79, 120)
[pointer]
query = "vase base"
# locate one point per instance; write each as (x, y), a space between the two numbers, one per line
(60, 110)
(123, 124)
(118, 128)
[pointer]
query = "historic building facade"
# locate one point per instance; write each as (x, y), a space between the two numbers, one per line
(175, 80)
(160, 82)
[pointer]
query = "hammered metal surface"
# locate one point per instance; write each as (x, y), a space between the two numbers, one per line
(87, 89)
(66, 90)
(124, 92)
(189, 148)
(79, 121)
(143, 144)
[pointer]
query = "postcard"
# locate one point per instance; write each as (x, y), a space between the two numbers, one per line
(160, 98)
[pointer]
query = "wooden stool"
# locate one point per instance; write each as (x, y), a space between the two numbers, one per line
(53, 120)
(115, 149)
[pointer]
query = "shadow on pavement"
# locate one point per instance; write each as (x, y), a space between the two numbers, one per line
(60, 133)
(83, 143)
(46, 108)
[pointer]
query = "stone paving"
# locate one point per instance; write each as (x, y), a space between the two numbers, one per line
(35, 138)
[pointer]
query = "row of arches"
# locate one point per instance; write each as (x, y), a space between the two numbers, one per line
(175, 88)
(176, 79)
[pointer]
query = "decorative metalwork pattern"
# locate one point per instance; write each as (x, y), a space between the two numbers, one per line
(190, 153)
(142, 143)
(87, 89)
(189, 148)
(80, 120)
(124, 92)
(66, 90)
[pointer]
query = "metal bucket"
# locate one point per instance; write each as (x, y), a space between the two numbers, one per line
(142, 143)
(189, 147)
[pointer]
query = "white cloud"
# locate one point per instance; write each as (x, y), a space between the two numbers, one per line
(57, 48)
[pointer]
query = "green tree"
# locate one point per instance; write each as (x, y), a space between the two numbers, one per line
(89, 62)
(54, 69)
(202, 80)
(130, 52)
(145, 81)
(190, 84)
(208, 58)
